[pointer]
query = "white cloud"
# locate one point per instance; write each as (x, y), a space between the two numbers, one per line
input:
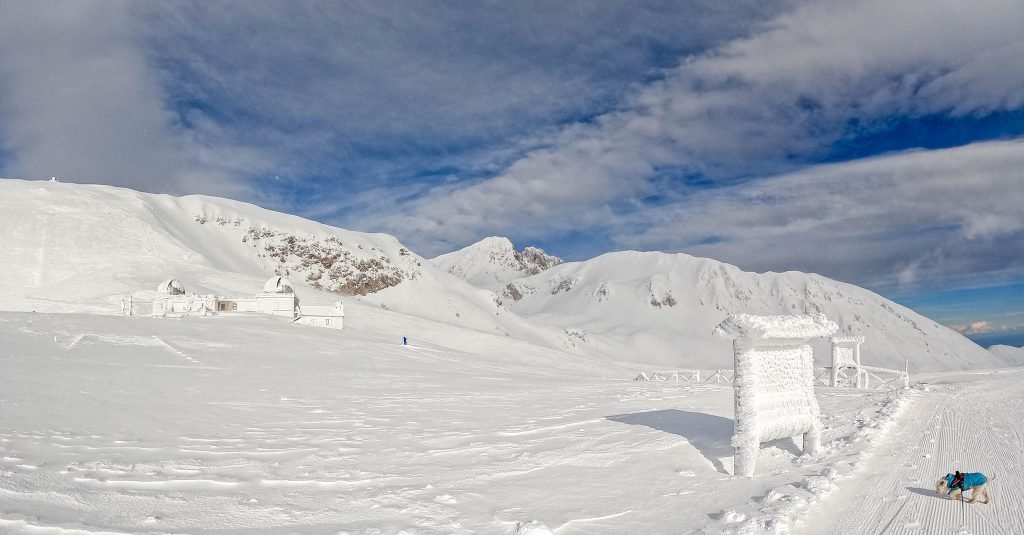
(906, 219)
(978, 327)
(78, 100)
(754, 104)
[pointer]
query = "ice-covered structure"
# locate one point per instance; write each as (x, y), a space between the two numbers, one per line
(277, 298)
(846, 354)
(170, 287)
(171, 299)
(332, 317)
(773, 382)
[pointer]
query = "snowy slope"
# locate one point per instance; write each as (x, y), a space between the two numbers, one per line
(493, 262)
(81, 248)
(1008, 353)
(663, 307)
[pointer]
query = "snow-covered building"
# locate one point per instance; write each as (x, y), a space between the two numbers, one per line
(332, 317)
(277, 298)
(171, 298)
(773, 381)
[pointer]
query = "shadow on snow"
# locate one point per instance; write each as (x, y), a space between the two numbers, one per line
(708, 433)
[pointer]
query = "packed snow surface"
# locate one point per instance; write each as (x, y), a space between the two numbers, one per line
(244, 424)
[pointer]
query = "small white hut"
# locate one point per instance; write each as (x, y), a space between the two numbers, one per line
(773, 381)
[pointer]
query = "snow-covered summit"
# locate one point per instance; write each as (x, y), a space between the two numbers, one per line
(493, 262)
(665, 307)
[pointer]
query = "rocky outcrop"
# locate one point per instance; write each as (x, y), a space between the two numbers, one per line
(325, 262)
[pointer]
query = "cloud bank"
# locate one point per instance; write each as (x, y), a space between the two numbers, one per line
(696, 126)
(79, 100)
(753, 109)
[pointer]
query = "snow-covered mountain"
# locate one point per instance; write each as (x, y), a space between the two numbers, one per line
(493, 262)
(82, 248)
(658, 307)
(1008, 353)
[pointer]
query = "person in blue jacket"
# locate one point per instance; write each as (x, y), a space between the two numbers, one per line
(967, 481)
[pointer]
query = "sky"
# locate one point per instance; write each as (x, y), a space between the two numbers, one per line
(878, 142)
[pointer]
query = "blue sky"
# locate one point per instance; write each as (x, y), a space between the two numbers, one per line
(878, 142)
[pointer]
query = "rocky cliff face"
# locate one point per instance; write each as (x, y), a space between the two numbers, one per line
(328, 264)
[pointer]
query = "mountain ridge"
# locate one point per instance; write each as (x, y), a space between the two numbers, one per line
(82, 248)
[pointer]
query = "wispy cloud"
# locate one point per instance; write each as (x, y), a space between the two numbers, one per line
(911, 219)
(695, 126)
(326, 98)
(367, 94)
(755, 105)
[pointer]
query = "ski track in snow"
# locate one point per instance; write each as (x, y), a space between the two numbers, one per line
(970, 427)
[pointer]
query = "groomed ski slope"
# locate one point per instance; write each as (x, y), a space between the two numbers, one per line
(967, 422)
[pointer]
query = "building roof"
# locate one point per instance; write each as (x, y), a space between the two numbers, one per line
(170, 287)
(787, 327)
(847, 339)
(278, 285)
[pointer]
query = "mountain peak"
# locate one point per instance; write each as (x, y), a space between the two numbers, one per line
(494, 261)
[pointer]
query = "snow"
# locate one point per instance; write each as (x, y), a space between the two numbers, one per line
(663, 307)
(787, 327)
(501, 415)
(493, 262)
(84, 248)
(1008, 353)
(971, 422)
(244, 423)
